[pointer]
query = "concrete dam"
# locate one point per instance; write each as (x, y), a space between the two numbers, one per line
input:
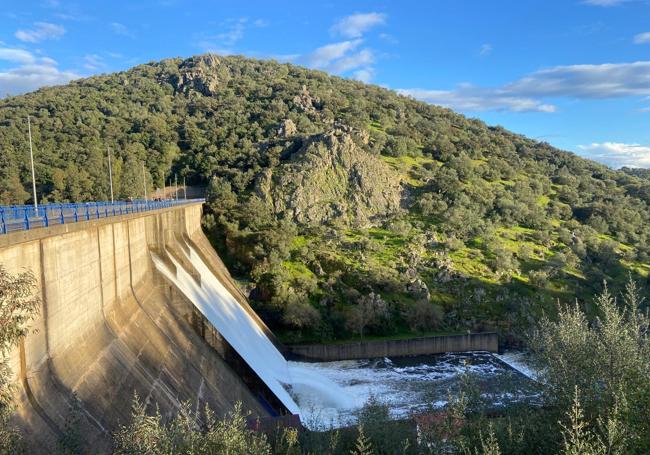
(136, 301)
(139, 304)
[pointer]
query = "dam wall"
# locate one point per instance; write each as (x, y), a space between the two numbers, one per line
(111, 326)
(394, 348)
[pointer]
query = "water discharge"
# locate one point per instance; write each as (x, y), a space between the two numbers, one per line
(239, 329)
(328, 394)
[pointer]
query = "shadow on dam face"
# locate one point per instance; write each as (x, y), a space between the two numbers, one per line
(112, 325)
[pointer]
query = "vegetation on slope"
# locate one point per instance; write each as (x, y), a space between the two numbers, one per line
(345, 209)
(594, 382)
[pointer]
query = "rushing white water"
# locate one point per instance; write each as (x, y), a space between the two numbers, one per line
(239, 329)
(409, 385)
(517, 360)
(328, 394)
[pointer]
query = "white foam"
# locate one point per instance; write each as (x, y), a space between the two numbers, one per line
(517, 361)
(327, 394)
(223, 311)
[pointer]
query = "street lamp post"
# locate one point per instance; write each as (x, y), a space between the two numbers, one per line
(144, 181)
(110, 173)
(31, 159)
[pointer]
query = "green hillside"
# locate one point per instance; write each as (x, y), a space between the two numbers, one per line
(345, 209)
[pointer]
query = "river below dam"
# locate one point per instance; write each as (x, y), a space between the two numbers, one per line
(329, 394)
(412, 385)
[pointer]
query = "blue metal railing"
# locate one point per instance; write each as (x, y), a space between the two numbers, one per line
(25, 217)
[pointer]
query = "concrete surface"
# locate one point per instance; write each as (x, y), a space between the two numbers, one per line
(110, 327)
(394, 348)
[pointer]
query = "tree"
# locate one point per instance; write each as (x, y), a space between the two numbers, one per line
(369, 310)
(607, 361)
(18, 305)
(362, 446)
(12, 190)
(423, 316)
(184, 433)
(609, 437)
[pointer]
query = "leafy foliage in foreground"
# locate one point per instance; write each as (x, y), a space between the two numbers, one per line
(598, 405)
(429, 220)
(594, 380)
(18, 305)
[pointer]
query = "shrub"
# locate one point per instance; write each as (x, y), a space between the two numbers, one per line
(423, 316)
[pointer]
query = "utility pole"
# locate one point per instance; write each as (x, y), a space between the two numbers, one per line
(110, 172)
(184, 189)
(31, 158)
(144, 181)
(176, 187)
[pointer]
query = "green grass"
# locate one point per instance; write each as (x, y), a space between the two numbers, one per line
(376, 126)
(407, 166)
(298, 269)
(543, 200)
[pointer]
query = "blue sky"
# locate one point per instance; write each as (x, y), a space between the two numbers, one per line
(575, 73)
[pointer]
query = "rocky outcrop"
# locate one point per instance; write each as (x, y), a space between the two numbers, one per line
(287, 129)
(199, 74)
(305, 102)
(331, 177)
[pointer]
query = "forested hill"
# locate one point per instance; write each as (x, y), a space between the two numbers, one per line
(343, 207)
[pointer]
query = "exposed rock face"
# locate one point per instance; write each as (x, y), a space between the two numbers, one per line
(199, 74)
(419, 290)
(361, 135)
(288, 128)
(330, 177)
(305, 102)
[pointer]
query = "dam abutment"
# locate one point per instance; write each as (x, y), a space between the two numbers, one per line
(110, 326)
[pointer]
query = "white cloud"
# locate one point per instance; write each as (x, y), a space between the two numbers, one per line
(364, 74)
(365, 57)
(486, 49)
(605, 2)
(16, 55)
(94, 62)
(527, 94)
(341, 58)
(642, 38)
(355, 25)
(233, 31)
(470, 98)
(617, 154)
(390, 39)
(42, 31)
(32, 74)
(121, 29)
(322, 57)
(609, 80)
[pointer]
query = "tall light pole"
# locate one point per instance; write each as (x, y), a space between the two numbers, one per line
(31, 158)
(144, 181)
(175, 187)
(110, 172)
(184, 189)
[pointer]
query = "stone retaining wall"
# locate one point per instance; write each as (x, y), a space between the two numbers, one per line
(394, 348)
